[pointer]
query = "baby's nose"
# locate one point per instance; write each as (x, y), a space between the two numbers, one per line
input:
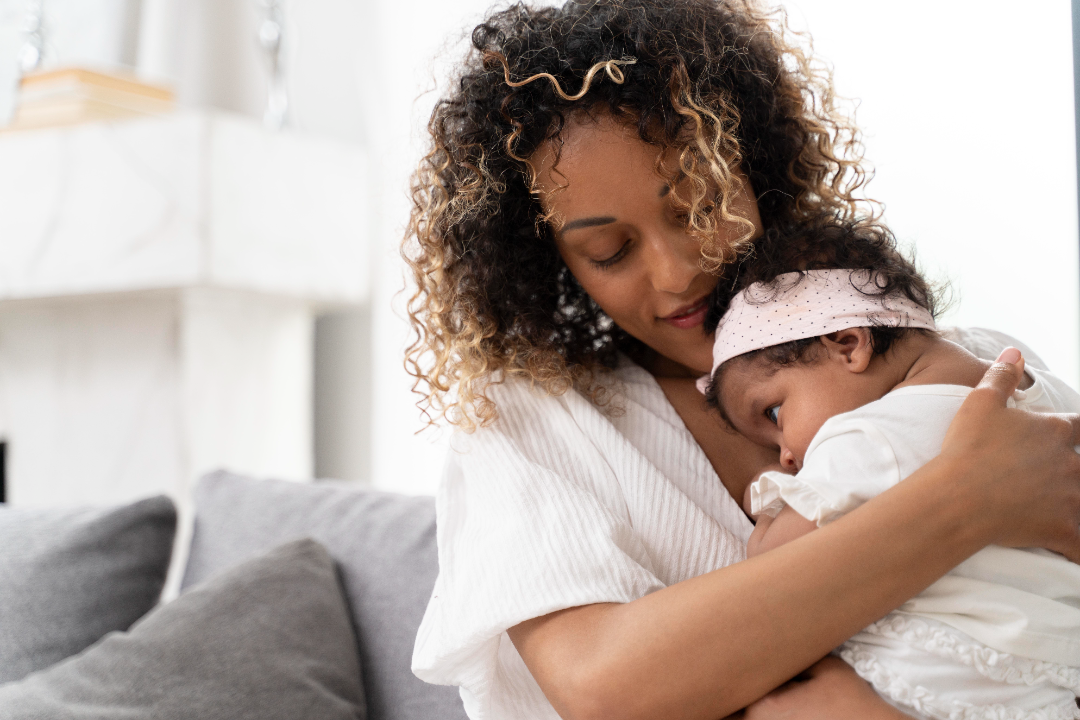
(787, 460)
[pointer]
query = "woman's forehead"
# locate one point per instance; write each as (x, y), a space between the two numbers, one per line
(594, 155)
(589, 140)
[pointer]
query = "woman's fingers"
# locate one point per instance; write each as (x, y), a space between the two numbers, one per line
(996, 387)
(1009, 355)
(1004, 376)
(1066, 529)
(1017, 470)
(990, 395)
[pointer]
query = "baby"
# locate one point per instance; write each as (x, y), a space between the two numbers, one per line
(841, 368)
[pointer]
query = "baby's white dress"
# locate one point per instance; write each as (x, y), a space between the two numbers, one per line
(998, 638)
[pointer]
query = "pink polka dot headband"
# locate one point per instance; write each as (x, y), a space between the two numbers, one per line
(802, 305)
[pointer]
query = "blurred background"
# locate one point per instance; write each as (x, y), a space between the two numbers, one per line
(201, 203)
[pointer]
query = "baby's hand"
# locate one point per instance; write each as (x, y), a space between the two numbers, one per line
(755, 543)
(771, 532)
(791, 525)
(762, 521)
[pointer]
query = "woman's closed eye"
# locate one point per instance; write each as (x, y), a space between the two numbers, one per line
(611, 260)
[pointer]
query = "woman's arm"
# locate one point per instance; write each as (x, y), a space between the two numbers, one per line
(705, 647)
(708, 646)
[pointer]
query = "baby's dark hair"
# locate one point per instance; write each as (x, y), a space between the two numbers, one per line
(820, 246)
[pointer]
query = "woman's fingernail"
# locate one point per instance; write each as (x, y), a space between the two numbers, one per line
(1009, 355)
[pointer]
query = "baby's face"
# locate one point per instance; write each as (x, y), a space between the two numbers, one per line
(785, 407)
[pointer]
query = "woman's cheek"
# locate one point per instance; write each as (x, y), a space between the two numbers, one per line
(619, 296)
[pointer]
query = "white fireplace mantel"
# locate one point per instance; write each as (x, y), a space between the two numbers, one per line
(193, 199)
(159, 280)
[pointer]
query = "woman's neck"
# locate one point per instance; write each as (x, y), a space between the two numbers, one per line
(660, 366)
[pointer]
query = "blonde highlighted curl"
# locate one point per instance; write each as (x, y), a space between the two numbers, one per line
(723, 84)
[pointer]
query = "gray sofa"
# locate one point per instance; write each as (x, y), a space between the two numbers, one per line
(298, 601)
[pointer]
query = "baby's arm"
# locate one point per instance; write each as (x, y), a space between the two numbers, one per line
(774, 532)
(770, 532)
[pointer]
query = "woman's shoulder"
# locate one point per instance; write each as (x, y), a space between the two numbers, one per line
(988, 344)
(579, 438)
(524, 405)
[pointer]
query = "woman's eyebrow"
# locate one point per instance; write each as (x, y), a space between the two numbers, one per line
(587, 222)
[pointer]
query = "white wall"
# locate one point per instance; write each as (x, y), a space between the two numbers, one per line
(407, 37)
(967, 110)
(99, 33)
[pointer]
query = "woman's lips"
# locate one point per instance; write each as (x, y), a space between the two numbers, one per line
(691, 316)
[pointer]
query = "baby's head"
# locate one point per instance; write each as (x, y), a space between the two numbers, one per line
(798, 345)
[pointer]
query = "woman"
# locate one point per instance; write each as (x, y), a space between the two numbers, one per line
(593, 165)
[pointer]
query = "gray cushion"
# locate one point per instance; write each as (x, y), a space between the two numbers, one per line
(385, 547)
(68, 577)
(270, 639)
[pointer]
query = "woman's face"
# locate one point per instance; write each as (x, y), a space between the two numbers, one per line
(624, 240)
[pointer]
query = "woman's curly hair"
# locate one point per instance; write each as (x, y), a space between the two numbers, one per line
(719, 83)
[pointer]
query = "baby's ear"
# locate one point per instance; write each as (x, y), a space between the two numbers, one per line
(853, 348)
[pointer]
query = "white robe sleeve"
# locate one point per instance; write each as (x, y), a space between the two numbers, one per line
(849, 462)
(531, 519)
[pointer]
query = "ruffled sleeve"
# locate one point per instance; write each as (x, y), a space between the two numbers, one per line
(849, 462)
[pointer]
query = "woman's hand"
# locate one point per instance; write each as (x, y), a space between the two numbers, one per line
(829, 690)
(1018, 469)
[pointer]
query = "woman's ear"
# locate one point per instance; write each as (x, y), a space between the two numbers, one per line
(852, 348)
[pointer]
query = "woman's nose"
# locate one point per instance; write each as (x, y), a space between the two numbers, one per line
(672, 267)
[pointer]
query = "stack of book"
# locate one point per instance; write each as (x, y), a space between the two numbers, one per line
(74, 95)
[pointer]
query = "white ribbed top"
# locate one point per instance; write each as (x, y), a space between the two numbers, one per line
(559, 504)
